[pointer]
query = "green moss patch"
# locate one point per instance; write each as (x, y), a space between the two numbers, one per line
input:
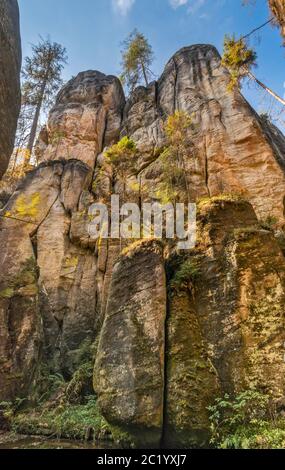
(24, 283)
(83, 422)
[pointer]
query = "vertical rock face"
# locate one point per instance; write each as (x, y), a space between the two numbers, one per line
(19, 293)
(245, 290)
(86, 118)
(234, 151)
(167, 347)
(226, 324)
(60, 307)
(278, 9)
(129, 375)
(39, 272)
(10, 63)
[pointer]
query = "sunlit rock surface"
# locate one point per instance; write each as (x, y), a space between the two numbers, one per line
(163, 350)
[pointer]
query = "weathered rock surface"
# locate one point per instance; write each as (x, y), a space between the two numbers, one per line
(129, 370)
(226, 325)
(235, 152)
(10, 64)
(20, 319)
(165, 351)
(33, 262)
(86, 118)
(49, 231)
(278, 9)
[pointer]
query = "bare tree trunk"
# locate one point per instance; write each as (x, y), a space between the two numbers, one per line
(144, 74)
(271, 92)
(182, 161)
(34, 127)
(15, 160)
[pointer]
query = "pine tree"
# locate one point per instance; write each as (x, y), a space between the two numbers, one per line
(137, 57)
(42, 79)
(240, 59)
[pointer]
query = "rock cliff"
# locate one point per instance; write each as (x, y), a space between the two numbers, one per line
(10, 55)
(235, 151)
(166, 345)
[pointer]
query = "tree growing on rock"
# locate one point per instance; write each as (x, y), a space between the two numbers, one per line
(174, 184)
(42, 79)
(240, 59)
(137, 58)
(122, 157)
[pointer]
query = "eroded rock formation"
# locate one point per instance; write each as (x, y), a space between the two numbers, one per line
(235, 151)
(10, 63)
(164, 350)
(27, 299)
(216, 343)
(135, 319)
(86, 118)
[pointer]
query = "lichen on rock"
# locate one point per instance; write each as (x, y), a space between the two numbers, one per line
(172, 331)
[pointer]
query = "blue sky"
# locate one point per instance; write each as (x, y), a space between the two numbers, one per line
(92, 31)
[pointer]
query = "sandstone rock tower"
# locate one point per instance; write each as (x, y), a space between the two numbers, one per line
(163, 353)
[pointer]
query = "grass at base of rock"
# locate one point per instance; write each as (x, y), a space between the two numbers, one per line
(262, 436)
(248, 420)
(82, 422)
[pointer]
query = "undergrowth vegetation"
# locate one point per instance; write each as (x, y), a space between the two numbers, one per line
(186, 274)
(247, 421)
(82, 421)
(58, 407)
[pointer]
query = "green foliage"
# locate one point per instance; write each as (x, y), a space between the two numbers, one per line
(28, 273)
(173, 185)
(50, 384)
(9, 408)
(64, 421)
(205, 202)
(125, 147)
(47, 384)
(42, 79)
(80, 384)
(85, 353)
(122, 157)
(185, 275)
(247, 420)
(7, 293)
(238, 58)
(268, 223)
(64, 409)
(42, 72)
(176, 126)
(137, 57)
(25, 278)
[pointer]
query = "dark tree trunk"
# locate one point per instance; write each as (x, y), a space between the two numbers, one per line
(33, 133)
